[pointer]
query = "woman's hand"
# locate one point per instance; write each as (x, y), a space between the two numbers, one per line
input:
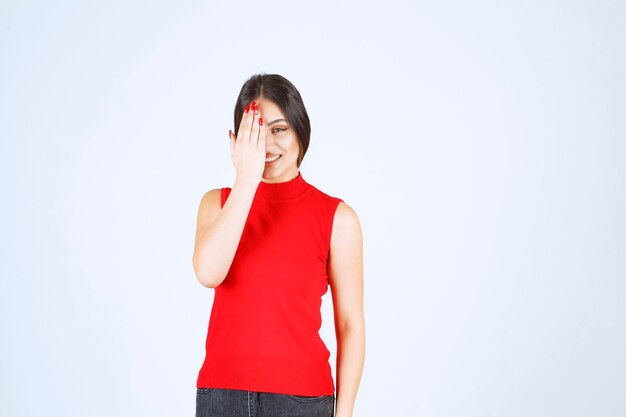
(247, 150)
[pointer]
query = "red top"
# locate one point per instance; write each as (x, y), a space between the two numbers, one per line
(263, 330)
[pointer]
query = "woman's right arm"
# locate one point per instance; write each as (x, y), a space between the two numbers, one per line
(219, 231)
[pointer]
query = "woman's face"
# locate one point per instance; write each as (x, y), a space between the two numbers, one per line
(281, 140)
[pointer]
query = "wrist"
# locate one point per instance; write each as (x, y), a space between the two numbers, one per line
(246, 184)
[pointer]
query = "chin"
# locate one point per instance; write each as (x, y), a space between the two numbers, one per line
(269, 174)
(274, 173)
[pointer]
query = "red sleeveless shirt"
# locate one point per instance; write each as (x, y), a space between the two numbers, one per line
(263, 332)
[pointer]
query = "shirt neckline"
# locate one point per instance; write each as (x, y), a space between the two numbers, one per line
(285, 190)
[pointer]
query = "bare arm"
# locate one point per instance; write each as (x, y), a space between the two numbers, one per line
(219, 231)
(346, 280)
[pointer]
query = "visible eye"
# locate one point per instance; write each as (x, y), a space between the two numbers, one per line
(282, 129)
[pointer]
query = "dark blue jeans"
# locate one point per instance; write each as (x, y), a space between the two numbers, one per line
(223, 402)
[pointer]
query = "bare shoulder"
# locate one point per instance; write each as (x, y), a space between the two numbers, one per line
(212, 196)
(345, 213)
(210, 205)
(346, 226)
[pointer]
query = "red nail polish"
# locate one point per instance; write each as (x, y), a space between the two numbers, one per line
(260, 121)
(247, 108)
(253, 105)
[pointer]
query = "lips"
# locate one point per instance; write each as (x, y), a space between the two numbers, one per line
(272, 157)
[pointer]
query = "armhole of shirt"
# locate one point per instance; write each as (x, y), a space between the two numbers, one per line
(333, 209)
(225, 194)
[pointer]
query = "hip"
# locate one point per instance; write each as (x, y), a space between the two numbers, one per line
(225, 402)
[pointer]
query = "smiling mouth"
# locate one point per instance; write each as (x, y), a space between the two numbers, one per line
(272, 158)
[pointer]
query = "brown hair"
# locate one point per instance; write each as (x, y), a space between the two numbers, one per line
(276, 88)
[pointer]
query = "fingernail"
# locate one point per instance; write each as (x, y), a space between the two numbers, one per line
(230, 133)
(247, 108)
(260, 121)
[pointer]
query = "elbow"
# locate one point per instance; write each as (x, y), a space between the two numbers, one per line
(208, 280)
(204, 277)
(352, 328)
(351, 325)
(205, 281)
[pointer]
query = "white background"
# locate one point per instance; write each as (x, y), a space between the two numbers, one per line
(482, 145)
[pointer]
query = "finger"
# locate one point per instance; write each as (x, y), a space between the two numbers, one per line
(261, 142)
(246, 123)
(254, 111)
(254, 134)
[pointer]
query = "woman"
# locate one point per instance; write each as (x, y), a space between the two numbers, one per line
(270, 247)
